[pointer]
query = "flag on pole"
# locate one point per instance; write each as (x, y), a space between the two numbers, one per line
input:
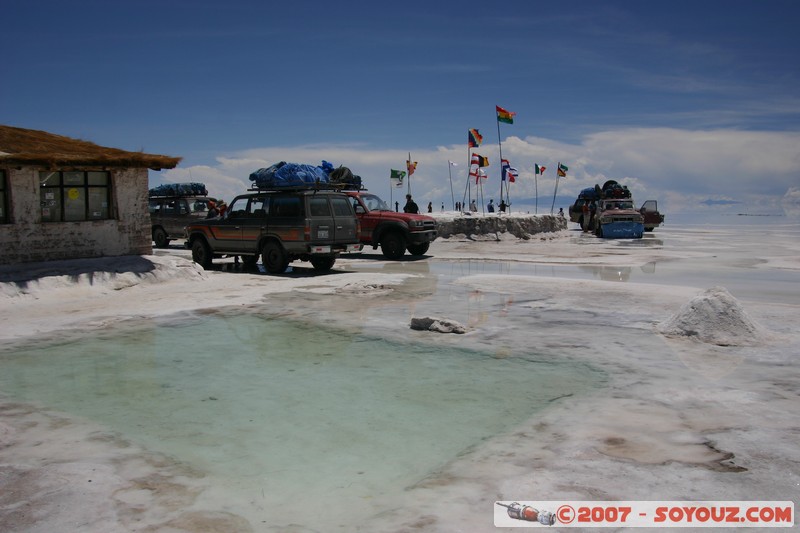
(504, 115)
(508, 170)
(453, 164)
(396, 178)
(540, 169)
(480, 160)
(411, 166)
(474, 138)
(512, 174)
(479, 173)
(562, 170)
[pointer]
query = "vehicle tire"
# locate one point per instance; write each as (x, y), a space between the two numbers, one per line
(418, 249)
(160, 238)
(274, 258)
(393, 245)
(323, 263)
(201, 253)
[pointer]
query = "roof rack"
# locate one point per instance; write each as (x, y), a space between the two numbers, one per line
(316, 186)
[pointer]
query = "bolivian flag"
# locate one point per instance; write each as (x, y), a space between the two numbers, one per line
(504, 116)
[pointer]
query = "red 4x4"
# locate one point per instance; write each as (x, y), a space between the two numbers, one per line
(393, 232)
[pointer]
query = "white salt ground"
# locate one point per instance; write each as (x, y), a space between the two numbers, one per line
(702, 400)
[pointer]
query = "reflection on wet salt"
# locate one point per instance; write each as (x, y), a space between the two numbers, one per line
(289, 412)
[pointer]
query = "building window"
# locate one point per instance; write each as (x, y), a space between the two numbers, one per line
(75, 196)
(4, 216)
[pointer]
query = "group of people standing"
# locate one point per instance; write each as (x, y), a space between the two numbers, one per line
(589, 212)
(412, 207)
(502, 206)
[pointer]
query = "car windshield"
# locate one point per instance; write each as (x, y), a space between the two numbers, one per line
(374, 203)
(619, 205)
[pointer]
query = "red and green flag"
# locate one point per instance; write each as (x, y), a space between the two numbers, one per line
(562, 171)
(504, 115)
(540, 169)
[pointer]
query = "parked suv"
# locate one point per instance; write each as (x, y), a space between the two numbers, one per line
(170, 214)
(393, 232)
(617, 218)
(280, 226)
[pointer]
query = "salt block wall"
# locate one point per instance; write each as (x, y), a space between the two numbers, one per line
(27, 239)
(520, 227)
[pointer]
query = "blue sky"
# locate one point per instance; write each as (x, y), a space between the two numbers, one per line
(684, 101)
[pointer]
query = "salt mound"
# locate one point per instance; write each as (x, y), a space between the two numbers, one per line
(714, 317)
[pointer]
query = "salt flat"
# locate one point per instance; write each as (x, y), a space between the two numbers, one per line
(701, 413)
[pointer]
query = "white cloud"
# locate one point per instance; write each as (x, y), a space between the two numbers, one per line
(680, 168)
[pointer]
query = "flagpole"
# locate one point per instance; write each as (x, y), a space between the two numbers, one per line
(408, 169)
(556, 189)
(450, 173)
(480, 185)
(468, 188)
(536, 188)
(500, 144)
(508, 188)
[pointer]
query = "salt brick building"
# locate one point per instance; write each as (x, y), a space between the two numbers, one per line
(64, 198)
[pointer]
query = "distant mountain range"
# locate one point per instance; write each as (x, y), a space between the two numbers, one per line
(719, 202)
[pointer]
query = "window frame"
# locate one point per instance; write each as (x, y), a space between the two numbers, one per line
(72, 190)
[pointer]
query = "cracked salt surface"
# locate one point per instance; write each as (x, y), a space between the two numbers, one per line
(677, 417)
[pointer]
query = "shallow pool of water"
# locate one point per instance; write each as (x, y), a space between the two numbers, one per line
(289, 413)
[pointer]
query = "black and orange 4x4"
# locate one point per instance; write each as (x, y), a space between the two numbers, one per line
(279, 226)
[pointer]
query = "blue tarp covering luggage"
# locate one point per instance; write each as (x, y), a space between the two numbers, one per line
(291, 175)
(589, 193)
(285, 174)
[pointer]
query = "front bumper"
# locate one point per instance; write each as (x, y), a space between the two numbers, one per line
(622, 230)
(420, 237)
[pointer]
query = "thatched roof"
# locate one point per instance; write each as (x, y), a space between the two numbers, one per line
(19, 146)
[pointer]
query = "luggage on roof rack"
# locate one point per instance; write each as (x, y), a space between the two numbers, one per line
(589, 193)
(612, 189)
(344, 177)
(283, 175)
(179, 189)
(289, 175)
